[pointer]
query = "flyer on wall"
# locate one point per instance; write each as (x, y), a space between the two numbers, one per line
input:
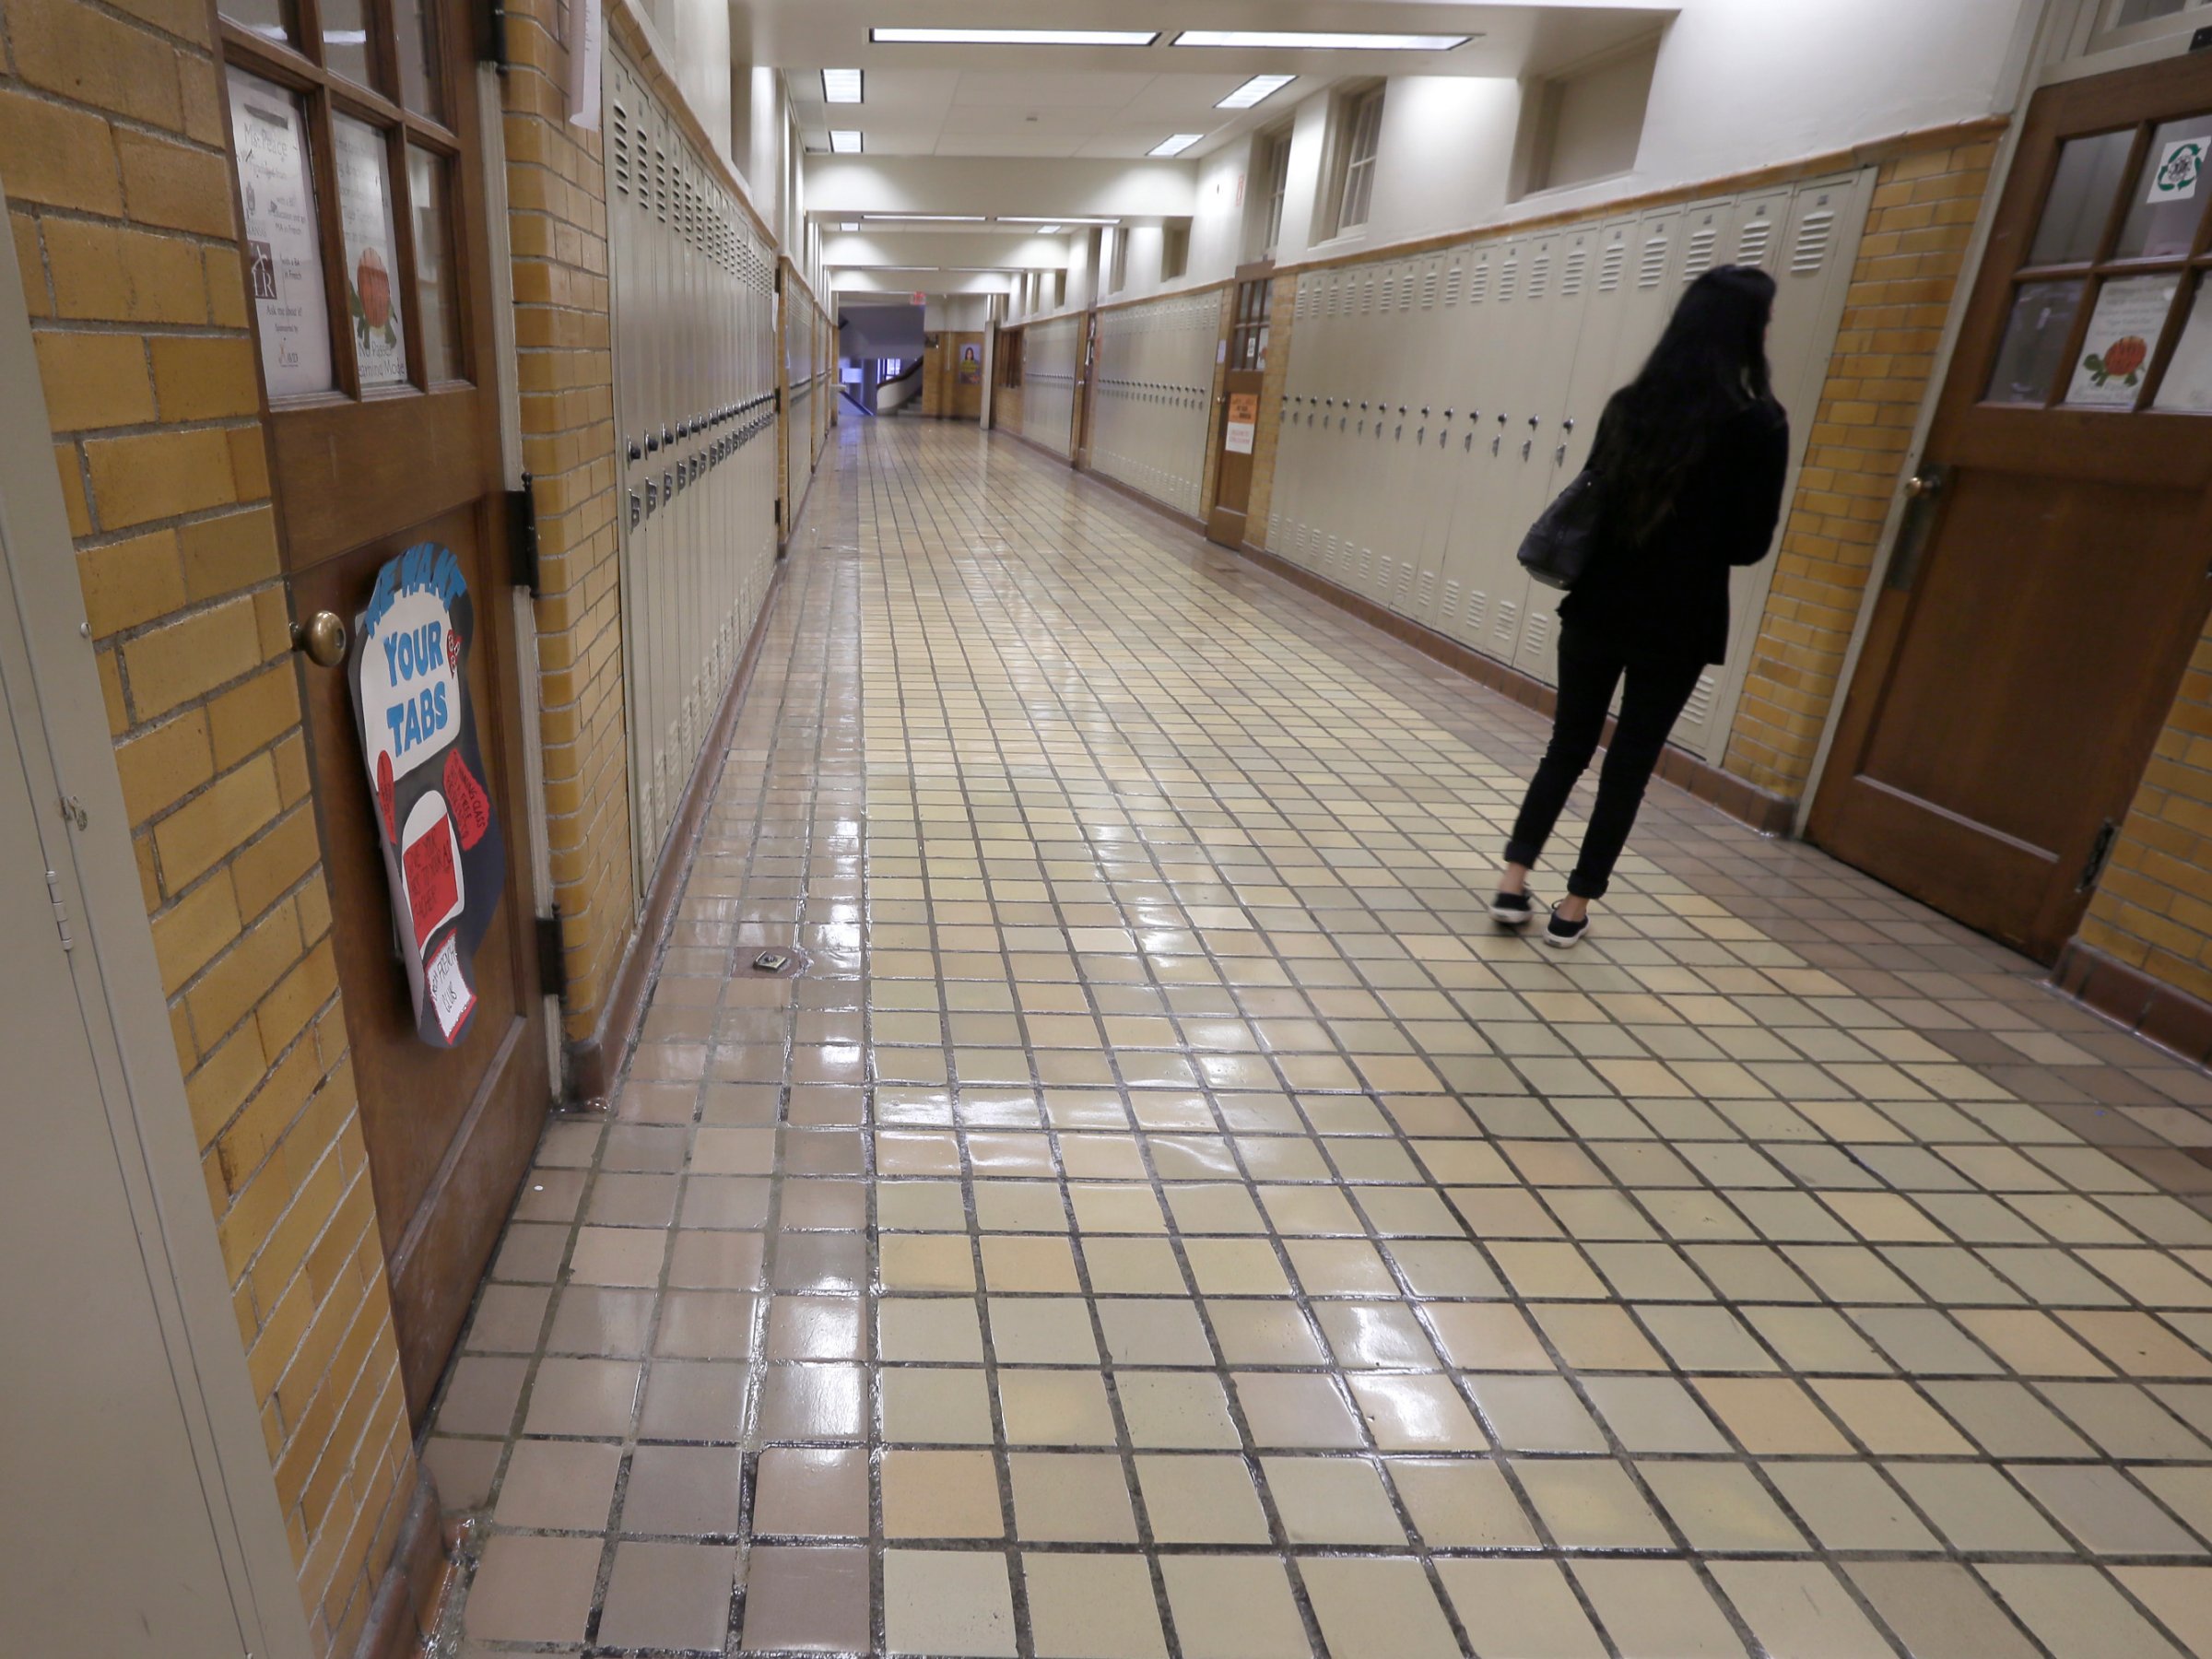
(443, 857)
(284, 256)
(371, 266)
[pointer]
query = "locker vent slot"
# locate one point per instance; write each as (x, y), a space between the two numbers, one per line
(1539, 274)
(1610, 268)
(1451, 605)
(1696, 259)
(1455, 281)
(1478, 284)
(1389, 284)
(1652, 269)
(1700, 708)
(1539, 626)
(1426, 592)
(1478, 611)
(1507, 275)
(1367, 297)
(1570, 278)
(1427, 292)
(1509, 614)
(621, 137)
(1755, 241)
(1812, 237)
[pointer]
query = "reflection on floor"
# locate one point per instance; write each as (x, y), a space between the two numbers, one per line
(1164, 1218)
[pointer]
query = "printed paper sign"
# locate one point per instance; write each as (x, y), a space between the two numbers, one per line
(443, 857)
(2181, 164)
(371, 266)
(284, 256)
(2130, 313)
(1243, 421)
(587, 41)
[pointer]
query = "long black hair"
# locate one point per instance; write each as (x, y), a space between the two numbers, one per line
(1709, 366)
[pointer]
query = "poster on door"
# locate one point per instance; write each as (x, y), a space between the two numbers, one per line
(1243, 421)
(2122, 330)
(443, 857)
(372, 266)
(284, 259)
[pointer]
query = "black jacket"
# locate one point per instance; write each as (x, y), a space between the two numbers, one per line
(1668, 598)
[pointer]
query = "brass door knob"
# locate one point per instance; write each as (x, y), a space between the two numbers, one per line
(1920, 484)
(322, 638)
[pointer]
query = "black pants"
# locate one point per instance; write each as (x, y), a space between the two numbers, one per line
(1589, 669)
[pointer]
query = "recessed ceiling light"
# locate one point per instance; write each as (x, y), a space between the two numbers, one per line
(841, 86)
(1253, 91)
(1046, 229)
(844, 141)
(1014, 37)
(1007, 219)
(850, 225)
(1175, 146)
(1303, 40)
(925, 218)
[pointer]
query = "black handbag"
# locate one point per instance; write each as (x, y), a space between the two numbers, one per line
(1561, 543)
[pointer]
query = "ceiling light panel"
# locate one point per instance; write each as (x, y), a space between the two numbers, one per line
(1007, 219)
(1299, 40)
(841, 86)
(1013, 37)
(844, 141)
(1258, 89)
(925, 218)
(1175, 146)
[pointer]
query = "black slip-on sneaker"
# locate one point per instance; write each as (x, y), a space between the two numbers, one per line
(1512, 910)
(1563, 935)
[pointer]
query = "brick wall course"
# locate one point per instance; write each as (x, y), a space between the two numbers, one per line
(113, 155)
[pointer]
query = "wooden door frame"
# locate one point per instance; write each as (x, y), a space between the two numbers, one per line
(158, 1164)
(2122, 97)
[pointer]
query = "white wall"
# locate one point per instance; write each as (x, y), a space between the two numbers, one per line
(997, 186)
(692, 38)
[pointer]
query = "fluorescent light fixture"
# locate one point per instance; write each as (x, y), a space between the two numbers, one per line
(841, 86)
(925, 218)
(1256, 89)
(1175, 146)
(1304, 40)
(1007, 219)
(843, 141)
(1013, 37)
(848, 225)
(1046, 229)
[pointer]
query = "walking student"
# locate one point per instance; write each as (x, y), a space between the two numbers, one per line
(1688, 464)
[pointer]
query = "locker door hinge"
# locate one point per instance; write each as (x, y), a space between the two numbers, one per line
(552, 957)
(521, 537)
(2101, 854)
(61, 910)
(491, 35)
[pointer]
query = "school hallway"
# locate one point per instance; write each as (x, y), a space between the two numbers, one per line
(1157, 1213)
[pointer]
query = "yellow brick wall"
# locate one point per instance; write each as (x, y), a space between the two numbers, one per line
(557, 224)
(1907, 274)
(114, 155)
(1282, 311)
(2153, 907)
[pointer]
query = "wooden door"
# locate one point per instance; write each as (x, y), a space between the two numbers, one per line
(361, 188)
(2050, 578)
(1086, 365)
(1239, 426)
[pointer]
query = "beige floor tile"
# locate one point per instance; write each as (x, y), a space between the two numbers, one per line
(1055, 1408)
(1181, 1410)
(946, 1601)
(812, 1491)
(668, 1595)
(1376, 1609)
(530, 1589)
(1940, 1610)
(941, 1495)
(559, 1486)
(2075, 1613)
(1519, 1610)
(1590, 1504)
(1658, 1610)
(1071, 1498)
(1416, 1414)
(1332, 1500)
(1800, 1608)
(1202, 1498)
(1092, 1606)
(935, 1403)
(1848, 1506)
(806, 1600)
(689, 1489)
(1233, 1607)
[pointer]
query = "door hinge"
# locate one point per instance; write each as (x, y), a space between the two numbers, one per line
(2101, 854)
(61, 910)
(552, 957)
(491, 35)
(521, 537)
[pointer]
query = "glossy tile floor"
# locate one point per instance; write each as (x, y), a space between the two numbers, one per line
(1164, 1218)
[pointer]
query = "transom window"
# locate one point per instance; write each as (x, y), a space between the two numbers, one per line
(1248, 327)
(346, 174)
(2106, 311)
(1364, 133)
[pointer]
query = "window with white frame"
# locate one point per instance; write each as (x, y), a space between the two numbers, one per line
(1272, 151)
(1117, 269)
(1360, 128)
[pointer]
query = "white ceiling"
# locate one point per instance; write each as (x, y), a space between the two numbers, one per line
(1117, 102)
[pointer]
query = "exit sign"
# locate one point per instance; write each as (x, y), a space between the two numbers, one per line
(921, 297)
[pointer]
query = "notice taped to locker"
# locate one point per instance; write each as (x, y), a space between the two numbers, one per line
(1243, 421)
(441, 840)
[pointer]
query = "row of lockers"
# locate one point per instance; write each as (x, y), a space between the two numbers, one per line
(695, 364)
(802, 372)
(1052, 357)
(1152, 394)
(1433, 404)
